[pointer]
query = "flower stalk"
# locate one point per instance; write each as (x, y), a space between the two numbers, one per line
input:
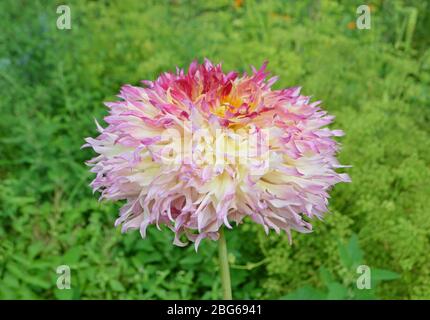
(224, 267)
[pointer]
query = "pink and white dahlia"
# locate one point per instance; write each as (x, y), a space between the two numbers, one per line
(201, 149)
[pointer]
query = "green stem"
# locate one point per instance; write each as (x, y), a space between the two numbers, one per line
(223, 265)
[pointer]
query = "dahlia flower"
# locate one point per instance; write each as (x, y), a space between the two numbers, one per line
(203, 149)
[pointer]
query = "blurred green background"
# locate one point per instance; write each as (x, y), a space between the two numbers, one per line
(53, 83)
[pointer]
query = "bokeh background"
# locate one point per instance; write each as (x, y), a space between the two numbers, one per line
(53, 83)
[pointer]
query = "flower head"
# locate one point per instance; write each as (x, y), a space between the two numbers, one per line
(201, 149)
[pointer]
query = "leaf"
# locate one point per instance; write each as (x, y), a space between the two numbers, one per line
(116, 285)
(383, 275)
(305, 293)
(72, 255)
(336, 291)
(25, 277)
(350, 254)
(64, 294)
(10, 281)
(363, 294)
(326, 276)
(354, 250)
(238, 277)
(35, 248)
(191, 259)
(344, 256)
(153, 257)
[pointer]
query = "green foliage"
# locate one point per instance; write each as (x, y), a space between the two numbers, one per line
(53, 83)
(337, 288)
